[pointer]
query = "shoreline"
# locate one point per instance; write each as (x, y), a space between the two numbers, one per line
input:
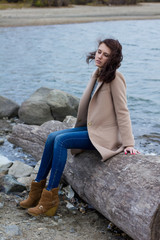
(77, 14)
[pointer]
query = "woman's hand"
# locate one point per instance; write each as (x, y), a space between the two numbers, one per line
(131, 150)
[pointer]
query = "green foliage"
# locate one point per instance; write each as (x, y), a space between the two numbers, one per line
(60, 3)
(151, 1)
(81, 2)
(104, 2)
(116, 2)
(19, 3)
(50, 3)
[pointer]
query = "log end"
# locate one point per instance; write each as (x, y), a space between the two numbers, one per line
(155, 225)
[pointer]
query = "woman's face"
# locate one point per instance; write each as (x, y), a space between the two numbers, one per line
(102, 55)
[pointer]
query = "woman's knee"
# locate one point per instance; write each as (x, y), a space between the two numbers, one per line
(60, 140)
(51, 137)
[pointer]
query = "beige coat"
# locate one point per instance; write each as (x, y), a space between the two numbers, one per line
(106, 116)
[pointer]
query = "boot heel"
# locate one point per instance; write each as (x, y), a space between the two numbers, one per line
(51, 212)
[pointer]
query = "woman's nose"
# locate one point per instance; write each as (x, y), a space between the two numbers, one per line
(100, 55)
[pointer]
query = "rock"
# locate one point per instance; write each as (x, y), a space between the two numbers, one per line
(47, 104)
(8, 108)
(35, 170)
(32, 138)
(1, 205)
(70, 120)
(1, 141)
(5, 163)
(25, 180)
(69, 192)
(8, 184)
(19, 169)
(62, 104)
(12, 230)
(5, 126)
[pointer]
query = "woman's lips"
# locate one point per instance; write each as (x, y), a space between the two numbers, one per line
(98, 62)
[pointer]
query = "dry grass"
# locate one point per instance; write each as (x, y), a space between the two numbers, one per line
(4, 5)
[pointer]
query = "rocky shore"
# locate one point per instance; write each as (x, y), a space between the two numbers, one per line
(113, 188)
(74, 220)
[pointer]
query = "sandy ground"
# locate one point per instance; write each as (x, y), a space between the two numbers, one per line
(77, 14)
(16, 224)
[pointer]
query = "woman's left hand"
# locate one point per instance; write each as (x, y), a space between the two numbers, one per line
(131, 150)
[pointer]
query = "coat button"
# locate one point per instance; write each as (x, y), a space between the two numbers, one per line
(89, 123)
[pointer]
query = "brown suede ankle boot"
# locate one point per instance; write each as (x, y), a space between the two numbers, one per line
(48, 203)
(34, 195)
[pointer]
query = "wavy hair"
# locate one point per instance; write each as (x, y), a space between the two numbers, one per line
(107, 74)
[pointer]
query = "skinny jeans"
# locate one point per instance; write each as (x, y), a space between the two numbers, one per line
(55, 153)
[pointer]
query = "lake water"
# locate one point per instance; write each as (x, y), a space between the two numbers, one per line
(54, 57)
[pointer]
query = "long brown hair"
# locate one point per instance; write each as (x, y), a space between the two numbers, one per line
(107, 74)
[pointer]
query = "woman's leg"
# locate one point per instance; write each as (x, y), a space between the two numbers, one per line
(49, 200)
(62, 142)
(47, 156)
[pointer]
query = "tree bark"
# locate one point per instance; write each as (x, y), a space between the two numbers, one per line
(125, 188)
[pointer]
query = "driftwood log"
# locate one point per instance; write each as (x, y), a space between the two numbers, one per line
(125, 188)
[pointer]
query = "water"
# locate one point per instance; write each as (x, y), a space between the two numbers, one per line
(54, 57)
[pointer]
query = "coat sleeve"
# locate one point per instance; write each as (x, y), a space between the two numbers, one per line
(118, 91)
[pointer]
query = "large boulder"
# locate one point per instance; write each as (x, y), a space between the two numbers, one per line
(47, 104)
(8, 108)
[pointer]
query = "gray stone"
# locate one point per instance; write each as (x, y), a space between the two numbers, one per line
(36, 168)
(72, 230)
(62, 104)
(12, 230)
(25, 180)
(5, 163)
(1, 205)
(47, 104)
(8, 184)
(1, 141)
(5, 127)
(70, 120)
(8, 108)
(19, 169)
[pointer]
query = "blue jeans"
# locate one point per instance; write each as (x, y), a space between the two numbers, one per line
(55, 152)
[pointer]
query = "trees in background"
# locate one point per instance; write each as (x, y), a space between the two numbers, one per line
(60, 3)
(50, 3)
(105, 2)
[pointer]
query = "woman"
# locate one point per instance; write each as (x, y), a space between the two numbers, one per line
(103, 123)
